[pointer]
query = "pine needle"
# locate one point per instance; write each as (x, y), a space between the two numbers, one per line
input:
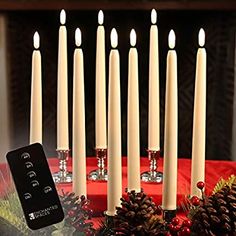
(222, 183)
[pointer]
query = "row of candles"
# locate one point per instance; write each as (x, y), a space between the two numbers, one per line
(114, 112)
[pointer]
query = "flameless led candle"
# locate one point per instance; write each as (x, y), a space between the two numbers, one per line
(114, 130)
(171, 129)
(100, 100)
(133, 152)
(62, 88)
(36, 94)
(199, 119)
(153, 109)
(79, 147)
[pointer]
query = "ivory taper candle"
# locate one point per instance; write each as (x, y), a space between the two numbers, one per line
(171, 129)
(199, 119)
(36, 94)
(79, 148)
(154, 103)
(114, 130)
(133, 152)
(62, 88)
(100, 100)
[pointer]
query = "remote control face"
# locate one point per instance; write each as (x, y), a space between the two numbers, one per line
(35, 186)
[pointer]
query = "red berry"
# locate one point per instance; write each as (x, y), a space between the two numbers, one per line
(168, 234)
(171, 227)
(175, 221)
(185, 231)
(201, 185)
(187, 223)
(177, 228)
(195, 200)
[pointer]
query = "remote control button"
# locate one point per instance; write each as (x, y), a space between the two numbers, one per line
(34, 183)
(47, 189)
(25, 155)
(28, 164)
(27, 196)
(31, 174)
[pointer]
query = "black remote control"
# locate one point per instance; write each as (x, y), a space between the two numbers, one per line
(35, 186)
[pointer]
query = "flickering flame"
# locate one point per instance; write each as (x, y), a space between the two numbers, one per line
(114, 38)
(201, 37)
(78, 37)
(153, 16)
(36, 40)
(100, 17)
(171, 39)
(133, 38)
(63, 17)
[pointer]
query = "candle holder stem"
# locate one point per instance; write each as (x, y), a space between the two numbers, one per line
(99, 174)
(63, 175)
(153, 175)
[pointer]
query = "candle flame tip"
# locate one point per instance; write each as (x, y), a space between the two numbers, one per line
(114, 38)
(36, 40)
(171, 39)
(154, 16)
(100, 17)
(63, 17)
(78, 37)
(201, 37)
(133, 38)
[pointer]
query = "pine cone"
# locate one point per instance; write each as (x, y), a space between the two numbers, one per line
(77, 213)
(138, 215)
(216, 215)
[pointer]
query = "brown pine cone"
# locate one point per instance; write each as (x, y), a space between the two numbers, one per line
(77, 213)
(216, 215)
(138, 215)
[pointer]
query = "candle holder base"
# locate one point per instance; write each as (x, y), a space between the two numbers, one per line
(152, 176)
(99, 174)
(63, 175)
(110, 223)
(168, 215)
(109, 219)
(59, 177)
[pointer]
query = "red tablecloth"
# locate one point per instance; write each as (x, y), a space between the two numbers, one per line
(97, 192)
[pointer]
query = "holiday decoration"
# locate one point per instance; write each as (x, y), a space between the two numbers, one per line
(177, 229)
(213, 215)
(138, 215)
(216, 214)
(77, 213)
(76, 222)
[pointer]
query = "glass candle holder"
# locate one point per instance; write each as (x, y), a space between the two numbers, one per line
(99, 174)
(153, 175)
(63, 175)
